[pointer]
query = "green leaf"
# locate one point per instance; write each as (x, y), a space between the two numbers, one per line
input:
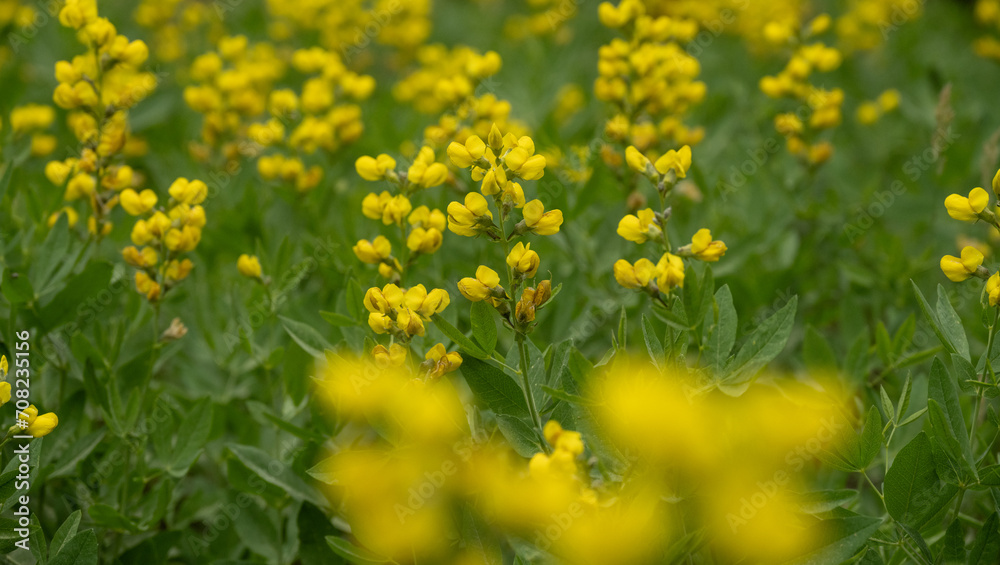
(107, 517)
(519, 435)
(763, 345)
(839, 539)
(50, 254)
(355, 299)
(871, 438)
(283, 477)
(723, 336)
(76, 453)
(339, 320)
(954, 544)
(942, 388)
(64, 306)
(956, 469)
(823, 501)
(913, 493)
(484, 326)
(353, 553)
(458, 338)
(653, 344)
(494, 388)
(951, 324)
(16, 287)
(986, 549)
(886, 404)
(931, 318)
(817, 351)
(912, 417)
(883, 344)
(66, 531)
(191, 438)
(306, 336)
(904, 397)
(36, 539)
(81, 549)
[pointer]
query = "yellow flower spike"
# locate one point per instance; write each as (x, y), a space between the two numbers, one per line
(961, 268)
(137, 203)
(468, 219)
(249, 266)
(704, 248)
(4, 367)
(967, 209)
(636, 160)
(636, 276)
(373, 252)
(425, 241)
(481, 287)
(639, 227)
(539, 221)
(523, 260)
(670, 271)
(993, 289)
(678, 161)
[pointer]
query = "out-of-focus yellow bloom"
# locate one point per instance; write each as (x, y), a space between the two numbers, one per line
(71, 216)
(31, 117)
(993, 289)
(3, 369)
(523, 260)
(485, 285)
(996, 184)
(147, 286)
(967, 209)
(188, 192)
(393, 356)
(249, 266)
(424, 240)
(636, 160)
(538, 221)
(640, 227)
(961, 268)
(375, 168)
(147, 257)
(137, 203)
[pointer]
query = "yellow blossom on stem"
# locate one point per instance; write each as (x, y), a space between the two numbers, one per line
(472, 218)
(373, 252)
(678, 161)
(704, 248)
(993, 289)
(967, 209)
(485, 285)
(636, 276)
(640, 227)
(961, 268)
(440, 361)
(249, 266)
(523, 260)
(538, 221)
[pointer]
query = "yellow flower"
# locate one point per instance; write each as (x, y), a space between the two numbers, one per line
(43, 425)
(147, 257)
(539, 221)
(409, 322)
(702, 246)
(71, 216)
(374, 205)
(636, 276)
(373, 252)
(993, 289)
(424, 217)
(440, 361)
(396, 209)
(469, 219)
(639, 227)
(426, 303)
(482, 287)
(394, 356)
(374, 168)
(147, 286)
(677, 161)
(4, 386)
(889, 100)
(188, 192)
(424, 240)
(967, 209)
(31, 117)
(79, 186)
(424, 172)
(249, 266)
(996, 183)
(670, 272)
(4, 367)
(636, 160)
(463, 156)
(523, 162)
(523, 260)
(137, 203)
(961, 268)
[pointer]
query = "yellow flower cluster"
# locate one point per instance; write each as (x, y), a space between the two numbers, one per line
(871, 111)
(988, 15)
(971, 209)
(546, 18)
(865, 23)
(818, 109)
(162, 235)
(421, 229)
(98, 88)
(350, 26)
(402, 313)
(173, 22)
(649, 78)
(649, 225)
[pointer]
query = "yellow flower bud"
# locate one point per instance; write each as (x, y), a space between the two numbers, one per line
(249, 266)
(374, 169)
(396, 209)
(4, 368)
(147, 286)
(441, 361)
(426, 303)
(702, 246)
(409, 322)
(670, 272)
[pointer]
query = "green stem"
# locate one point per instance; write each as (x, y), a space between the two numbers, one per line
(874, 488)
(528, 396)
(988, 368)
